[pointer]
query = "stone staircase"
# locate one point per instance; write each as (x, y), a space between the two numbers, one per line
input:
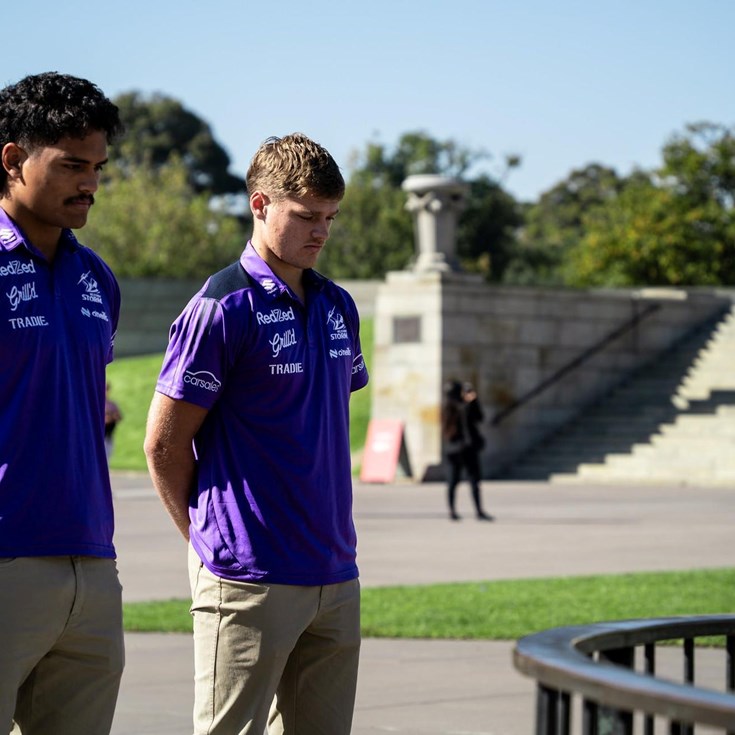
(671, 422)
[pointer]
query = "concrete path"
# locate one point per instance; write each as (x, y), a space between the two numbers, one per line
(405, 537)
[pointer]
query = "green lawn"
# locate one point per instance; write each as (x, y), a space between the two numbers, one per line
(505, 610)
(132, 382)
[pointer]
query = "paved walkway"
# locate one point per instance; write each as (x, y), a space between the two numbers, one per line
(429, 687)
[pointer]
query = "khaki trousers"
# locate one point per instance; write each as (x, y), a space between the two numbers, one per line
(281, 655)
(61, 644)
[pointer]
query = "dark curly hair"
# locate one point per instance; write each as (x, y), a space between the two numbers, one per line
(41, 109)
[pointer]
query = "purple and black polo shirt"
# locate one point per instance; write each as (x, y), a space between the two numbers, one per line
(273, 501)
(57, 324)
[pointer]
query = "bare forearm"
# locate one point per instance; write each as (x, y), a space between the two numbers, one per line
(171, 428)
(174, 477)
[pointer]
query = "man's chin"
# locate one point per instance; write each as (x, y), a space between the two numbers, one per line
(77, 222)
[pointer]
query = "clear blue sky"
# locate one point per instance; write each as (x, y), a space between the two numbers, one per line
(561, 83)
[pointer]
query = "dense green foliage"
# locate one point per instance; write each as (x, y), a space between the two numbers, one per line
(672, 225)
(505, 610)
(374, 233)
(150, 222)
(132, 382)
(159, 127)
(675, 228)
(553, 226)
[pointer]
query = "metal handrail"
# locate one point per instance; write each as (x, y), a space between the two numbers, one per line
(575, 363)
(562, 662)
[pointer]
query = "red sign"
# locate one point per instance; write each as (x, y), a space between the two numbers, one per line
(382, 450)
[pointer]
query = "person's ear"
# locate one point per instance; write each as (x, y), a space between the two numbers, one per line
(13, 157)
(258, 205)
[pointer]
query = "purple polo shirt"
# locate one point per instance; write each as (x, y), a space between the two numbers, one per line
(57, 323)
(273, 500)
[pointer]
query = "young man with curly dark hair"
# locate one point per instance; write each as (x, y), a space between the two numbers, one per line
(61, 642)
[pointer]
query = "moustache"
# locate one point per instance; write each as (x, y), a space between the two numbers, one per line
(83, 199)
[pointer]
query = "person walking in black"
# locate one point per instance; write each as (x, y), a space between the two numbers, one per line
(461, 416)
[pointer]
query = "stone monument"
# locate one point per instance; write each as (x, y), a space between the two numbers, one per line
(435, 202)
(410, 360)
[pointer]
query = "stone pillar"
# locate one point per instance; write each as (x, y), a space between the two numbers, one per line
(410, 362)
(435, 202)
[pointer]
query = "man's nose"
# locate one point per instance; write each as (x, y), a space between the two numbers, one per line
(90, 182)
(321, 230)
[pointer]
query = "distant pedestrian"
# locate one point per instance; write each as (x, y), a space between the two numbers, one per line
(461, 416)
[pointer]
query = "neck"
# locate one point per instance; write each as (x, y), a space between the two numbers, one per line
(292, 276)
(44, 238)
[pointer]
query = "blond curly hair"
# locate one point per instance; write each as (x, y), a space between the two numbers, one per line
(294, 166)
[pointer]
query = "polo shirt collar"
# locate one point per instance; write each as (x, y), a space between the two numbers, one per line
(12, 237)
(273, 286)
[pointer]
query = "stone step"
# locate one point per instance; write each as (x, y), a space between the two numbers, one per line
(674, 421)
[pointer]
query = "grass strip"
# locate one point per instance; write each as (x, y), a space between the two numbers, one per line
(506, 609)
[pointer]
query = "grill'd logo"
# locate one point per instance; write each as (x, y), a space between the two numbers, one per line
(27, 292)
(280, 341)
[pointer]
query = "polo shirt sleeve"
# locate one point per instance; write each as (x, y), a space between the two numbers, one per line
(359, 368)
(115, 308)
(195, 362)
(108, 283)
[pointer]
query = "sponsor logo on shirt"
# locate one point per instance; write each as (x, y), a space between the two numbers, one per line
(274, 316)
(27, 292)
(286, 368)
(345, 352)
(269, 285)
(7, 236)
(99, 314)
(18, 268)
(92, 290)
(203, 379)
(280, 341)
(337, 323)
(359, 365)
(24, 322)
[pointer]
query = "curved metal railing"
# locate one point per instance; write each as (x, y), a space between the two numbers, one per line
(596, 662)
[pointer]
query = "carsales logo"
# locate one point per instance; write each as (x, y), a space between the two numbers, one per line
(203, 379)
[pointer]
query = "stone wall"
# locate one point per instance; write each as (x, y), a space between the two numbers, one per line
(435, 326)
(149, 306)
(432, 326)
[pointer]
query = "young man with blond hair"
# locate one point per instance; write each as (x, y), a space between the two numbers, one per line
(248, 447)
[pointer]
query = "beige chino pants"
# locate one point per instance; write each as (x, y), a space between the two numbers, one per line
(61, 644)
(281, 655)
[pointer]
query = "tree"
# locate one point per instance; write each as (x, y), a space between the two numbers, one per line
(554, 225)
(374, 233)
(158, 127)
(676, 227)
(486, 230)
(150, 222)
